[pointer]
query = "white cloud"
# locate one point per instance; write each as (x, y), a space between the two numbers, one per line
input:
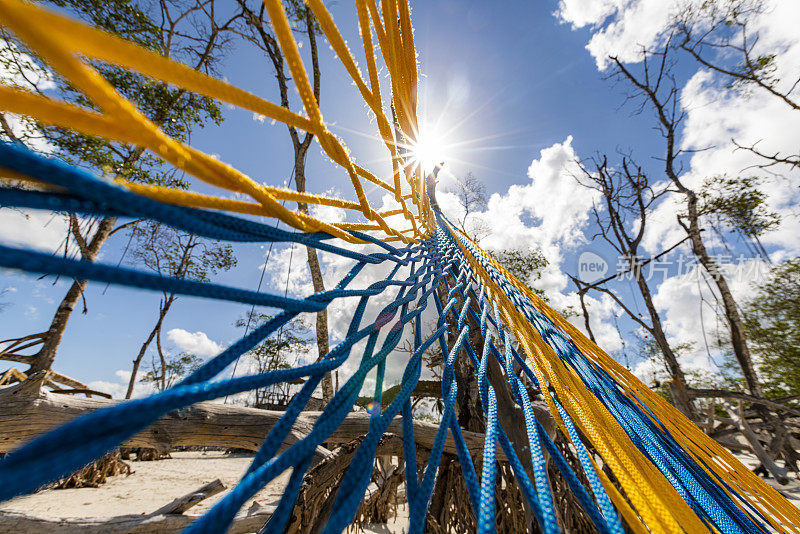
(582, 13)
(547, 212)
(119, 387)
(37, 229)
(194, 342)
(621, 27)
(692, 315)
(328, 214)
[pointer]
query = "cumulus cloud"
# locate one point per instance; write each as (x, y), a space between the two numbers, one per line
(620, 27)
(37, 229)
(692, 315)
(194, 342)
(580, 13)
(117, 388)
(546, 213)
(549, 210)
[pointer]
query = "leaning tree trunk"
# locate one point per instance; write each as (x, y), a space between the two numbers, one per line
(47, 354)
(734, 319)
(162, 312)
(679, 392)
(316, 277)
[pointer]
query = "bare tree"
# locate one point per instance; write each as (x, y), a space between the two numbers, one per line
(627, 199)
(656, 88)
(714, 32)
(472, 197)
(281, 350)
(175, 254)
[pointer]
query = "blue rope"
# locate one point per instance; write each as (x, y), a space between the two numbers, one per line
(418, 274)
(700, 491)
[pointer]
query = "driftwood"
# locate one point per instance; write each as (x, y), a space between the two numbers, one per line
(18, 523)
(96, 473)
(320, 485)
(737, 414)
(28, 411)
(12, 375)
(738, 395)
(53, 380)
(181, 504)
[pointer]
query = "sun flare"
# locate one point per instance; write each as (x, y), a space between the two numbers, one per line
(429, 150)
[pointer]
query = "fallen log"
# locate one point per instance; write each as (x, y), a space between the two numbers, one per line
(778, 472)
(27, 410)
(19, 523)
(738, 395)
(181, 504)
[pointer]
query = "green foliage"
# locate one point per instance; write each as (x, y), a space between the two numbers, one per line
(178, 254)
(123, 18)
(296, 12)
(738, 204)
(525, 265)
(176, 368)
(274, 353)
(772, 319)
(174, 110)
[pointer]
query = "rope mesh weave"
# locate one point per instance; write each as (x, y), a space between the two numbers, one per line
(668, 476)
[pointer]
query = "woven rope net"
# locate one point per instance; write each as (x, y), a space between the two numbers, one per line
(643, 464)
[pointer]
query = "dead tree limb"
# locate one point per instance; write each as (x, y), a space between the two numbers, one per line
(724, 394)
(737, 414)
(19, 523)
(29, 410)
(181, 504)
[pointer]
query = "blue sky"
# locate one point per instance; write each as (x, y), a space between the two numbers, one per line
(519, 94)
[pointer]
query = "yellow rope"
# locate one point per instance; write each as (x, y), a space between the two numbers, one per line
(646, 496)
(653, 497)
(65, 45)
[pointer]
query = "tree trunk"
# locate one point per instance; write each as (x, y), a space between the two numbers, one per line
(162, 359)
(680, 396)
(735, 323)
(47, 354)
(323, 345)
(585, 310)
(162, 312)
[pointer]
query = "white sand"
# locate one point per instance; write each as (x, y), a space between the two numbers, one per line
(154, 484)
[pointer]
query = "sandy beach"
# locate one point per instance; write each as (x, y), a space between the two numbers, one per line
(154, 484)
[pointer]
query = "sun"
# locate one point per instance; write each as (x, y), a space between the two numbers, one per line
(428, 150)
